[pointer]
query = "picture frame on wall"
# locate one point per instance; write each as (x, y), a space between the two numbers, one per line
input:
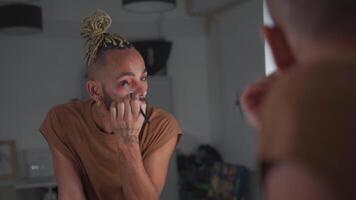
(7, 159)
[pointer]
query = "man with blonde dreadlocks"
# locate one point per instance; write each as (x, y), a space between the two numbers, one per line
(112, 146)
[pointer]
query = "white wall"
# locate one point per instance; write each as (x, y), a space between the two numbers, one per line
(190, 91)
(241, 60)
(270, 64)
(39, 71)
(207, 73)
(36, 72)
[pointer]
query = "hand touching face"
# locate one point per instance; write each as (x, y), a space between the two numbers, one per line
(254, 95)
(127, 119)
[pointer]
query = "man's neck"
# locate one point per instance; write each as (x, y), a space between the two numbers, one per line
(102, 118)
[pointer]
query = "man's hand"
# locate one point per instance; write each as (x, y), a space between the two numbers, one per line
(126, 119)
(254, 96)
(142, 179)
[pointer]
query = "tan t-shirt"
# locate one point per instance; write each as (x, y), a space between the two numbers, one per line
(71, 129)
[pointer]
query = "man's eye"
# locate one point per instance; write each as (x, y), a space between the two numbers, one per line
(122, 83)
(144, 78)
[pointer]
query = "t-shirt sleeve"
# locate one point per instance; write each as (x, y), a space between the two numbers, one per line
(53, 129)
(166, 128)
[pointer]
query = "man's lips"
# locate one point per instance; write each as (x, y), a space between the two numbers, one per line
(143, 99)
(140, 98)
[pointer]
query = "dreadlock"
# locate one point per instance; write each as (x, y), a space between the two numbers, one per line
(94, 29)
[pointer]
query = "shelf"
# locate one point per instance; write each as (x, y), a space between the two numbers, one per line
(30, 183)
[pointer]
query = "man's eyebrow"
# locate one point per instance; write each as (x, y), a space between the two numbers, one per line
(125, 74)
(129, 74)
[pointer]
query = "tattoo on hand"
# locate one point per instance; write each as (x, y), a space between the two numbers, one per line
(130, 139)
(127, 135)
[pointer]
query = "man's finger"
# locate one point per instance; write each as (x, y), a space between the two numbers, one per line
(120, 107)
(135, 106)
(113, 112)
(127, 112)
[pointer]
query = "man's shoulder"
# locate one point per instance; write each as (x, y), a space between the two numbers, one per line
(159, 114)
(160, 119)
(66, 110)
(162, 127)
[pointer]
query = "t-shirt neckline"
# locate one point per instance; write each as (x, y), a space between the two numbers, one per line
(97, 132)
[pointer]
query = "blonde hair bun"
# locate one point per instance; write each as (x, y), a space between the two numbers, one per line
(95, 30)
(95, 25)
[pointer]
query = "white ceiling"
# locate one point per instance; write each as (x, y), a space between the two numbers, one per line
(76, 9)
(208, 5)
(64, 16)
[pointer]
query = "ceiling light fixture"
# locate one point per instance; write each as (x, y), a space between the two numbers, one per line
(20, 18)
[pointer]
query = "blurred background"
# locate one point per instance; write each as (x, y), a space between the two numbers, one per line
(212, 48)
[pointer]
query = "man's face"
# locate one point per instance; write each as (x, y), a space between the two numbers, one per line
(124, 67)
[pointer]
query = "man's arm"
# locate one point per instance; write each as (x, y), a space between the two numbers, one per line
(141, 179)
(68, 180)
(144, 179)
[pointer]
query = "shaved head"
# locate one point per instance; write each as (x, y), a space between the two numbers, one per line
(316, 19)
(110, 58)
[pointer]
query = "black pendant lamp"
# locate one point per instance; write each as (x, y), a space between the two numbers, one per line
(149, 6)
(20, 18)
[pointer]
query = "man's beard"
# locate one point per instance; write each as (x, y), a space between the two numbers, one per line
(107, 100)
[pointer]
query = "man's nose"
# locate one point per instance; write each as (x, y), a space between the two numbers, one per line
(139, 88)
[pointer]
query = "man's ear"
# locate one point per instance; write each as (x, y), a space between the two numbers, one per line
(94, 90)
(281, 50)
